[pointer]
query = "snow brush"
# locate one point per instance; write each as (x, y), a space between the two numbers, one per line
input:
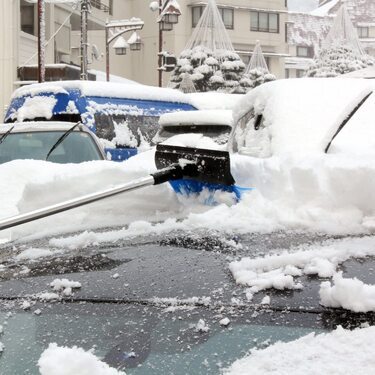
(173, 163)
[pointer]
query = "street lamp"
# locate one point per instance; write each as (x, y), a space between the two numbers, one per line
(135, 42)
(115, 30)
(169, 11)
(120, 46)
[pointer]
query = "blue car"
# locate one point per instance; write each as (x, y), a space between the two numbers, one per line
(124, 116)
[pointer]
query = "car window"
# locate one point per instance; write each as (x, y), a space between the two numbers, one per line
(76, 148)
(252, 136)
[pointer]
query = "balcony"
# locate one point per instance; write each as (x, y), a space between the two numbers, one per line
(99, 5)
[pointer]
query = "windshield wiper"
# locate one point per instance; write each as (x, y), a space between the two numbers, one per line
(61, 139)
(6, 134)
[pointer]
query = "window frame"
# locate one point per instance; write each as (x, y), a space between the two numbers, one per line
(361, 33)
(308, 52)
(194, 8)
(267, 29)
(222, 10)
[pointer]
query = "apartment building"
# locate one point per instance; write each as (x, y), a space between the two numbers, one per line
(246, 21)
(307, 31)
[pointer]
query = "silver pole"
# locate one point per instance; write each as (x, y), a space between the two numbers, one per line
(84, 39)
(76, 202)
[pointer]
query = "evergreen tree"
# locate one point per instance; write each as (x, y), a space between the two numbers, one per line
(338, 60)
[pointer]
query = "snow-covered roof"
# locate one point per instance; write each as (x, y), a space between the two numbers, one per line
(360, 11)
(213, 100)
(104, 89)
(204, 117)
(302, 115)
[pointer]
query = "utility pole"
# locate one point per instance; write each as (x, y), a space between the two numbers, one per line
(160, 61)
(41, 41)
(85, 8)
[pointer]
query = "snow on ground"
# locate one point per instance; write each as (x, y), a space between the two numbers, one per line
(351, 294)
(281, 271)
(341, 352)
(61, 360)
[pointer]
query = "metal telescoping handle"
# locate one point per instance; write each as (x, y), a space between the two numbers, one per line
(74, 203)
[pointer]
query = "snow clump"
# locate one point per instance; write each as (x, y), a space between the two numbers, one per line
(61, 360)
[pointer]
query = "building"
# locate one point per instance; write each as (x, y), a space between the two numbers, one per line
(306, 31)
(246, 21)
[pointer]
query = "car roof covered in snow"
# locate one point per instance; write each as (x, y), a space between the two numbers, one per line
(302, 115)
(104, 89)
(214, 100)
(203, 117)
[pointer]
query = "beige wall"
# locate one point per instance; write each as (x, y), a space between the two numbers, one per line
(8, 49)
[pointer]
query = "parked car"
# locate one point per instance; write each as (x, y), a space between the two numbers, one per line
(59, 142)
(124, 116)
(286, 117)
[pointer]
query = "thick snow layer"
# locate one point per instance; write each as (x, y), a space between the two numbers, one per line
(341, 352)
(281, 270)
(302, 115)
(34, 253)
(213, 100)
(104, 89)
(61, 360)
(351, 294)
(38, 106)
(203, 117)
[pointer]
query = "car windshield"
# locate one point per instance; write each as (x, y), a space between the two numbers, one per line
(76, 148)
(219, 133)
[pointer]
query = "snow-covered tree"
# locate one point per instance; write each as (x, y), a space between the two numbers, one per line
(338, 60)
(257, 71)
(209, 71)
(341, 51)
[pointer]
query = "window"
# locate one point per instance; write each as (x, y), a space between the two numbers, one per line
(303, 51)
(264, 22)
(227, 16)
(300, 73)
(287, 73)
(363, 32)
(28, 19)
(196, 13)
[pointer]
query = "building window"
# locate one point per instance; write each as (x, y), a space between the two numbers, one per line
(287, 73)
(227, 16)
(303, 51)
(196, 13)
(28, 19)
(264, 22)
(300, 73)
(363, 32)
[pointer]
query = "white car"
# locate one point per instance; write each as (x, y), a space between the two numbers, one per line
(58, 142)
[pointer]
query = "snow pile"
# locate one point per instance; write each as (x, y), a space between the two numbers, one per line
(37, 106)
(201, 326)
(341, 352)
(280, 270)
(61, 360)
(351, 294)
(34, 253)
(65, 286)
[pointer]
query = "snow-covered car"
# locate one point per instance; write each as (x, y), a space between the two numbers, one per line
(286, 118)
(59, 142)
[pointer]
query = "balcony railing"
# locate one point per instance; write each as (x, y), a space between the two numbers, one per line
(99, 5)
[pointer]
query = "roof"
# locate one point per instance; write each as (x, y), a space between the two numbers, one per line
(205, 117)
(359, 10)
(104, 89)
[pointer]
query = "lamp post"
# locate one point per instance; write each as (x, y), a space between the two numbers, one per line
(169, 11)
(41, 42)
(114, 30)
